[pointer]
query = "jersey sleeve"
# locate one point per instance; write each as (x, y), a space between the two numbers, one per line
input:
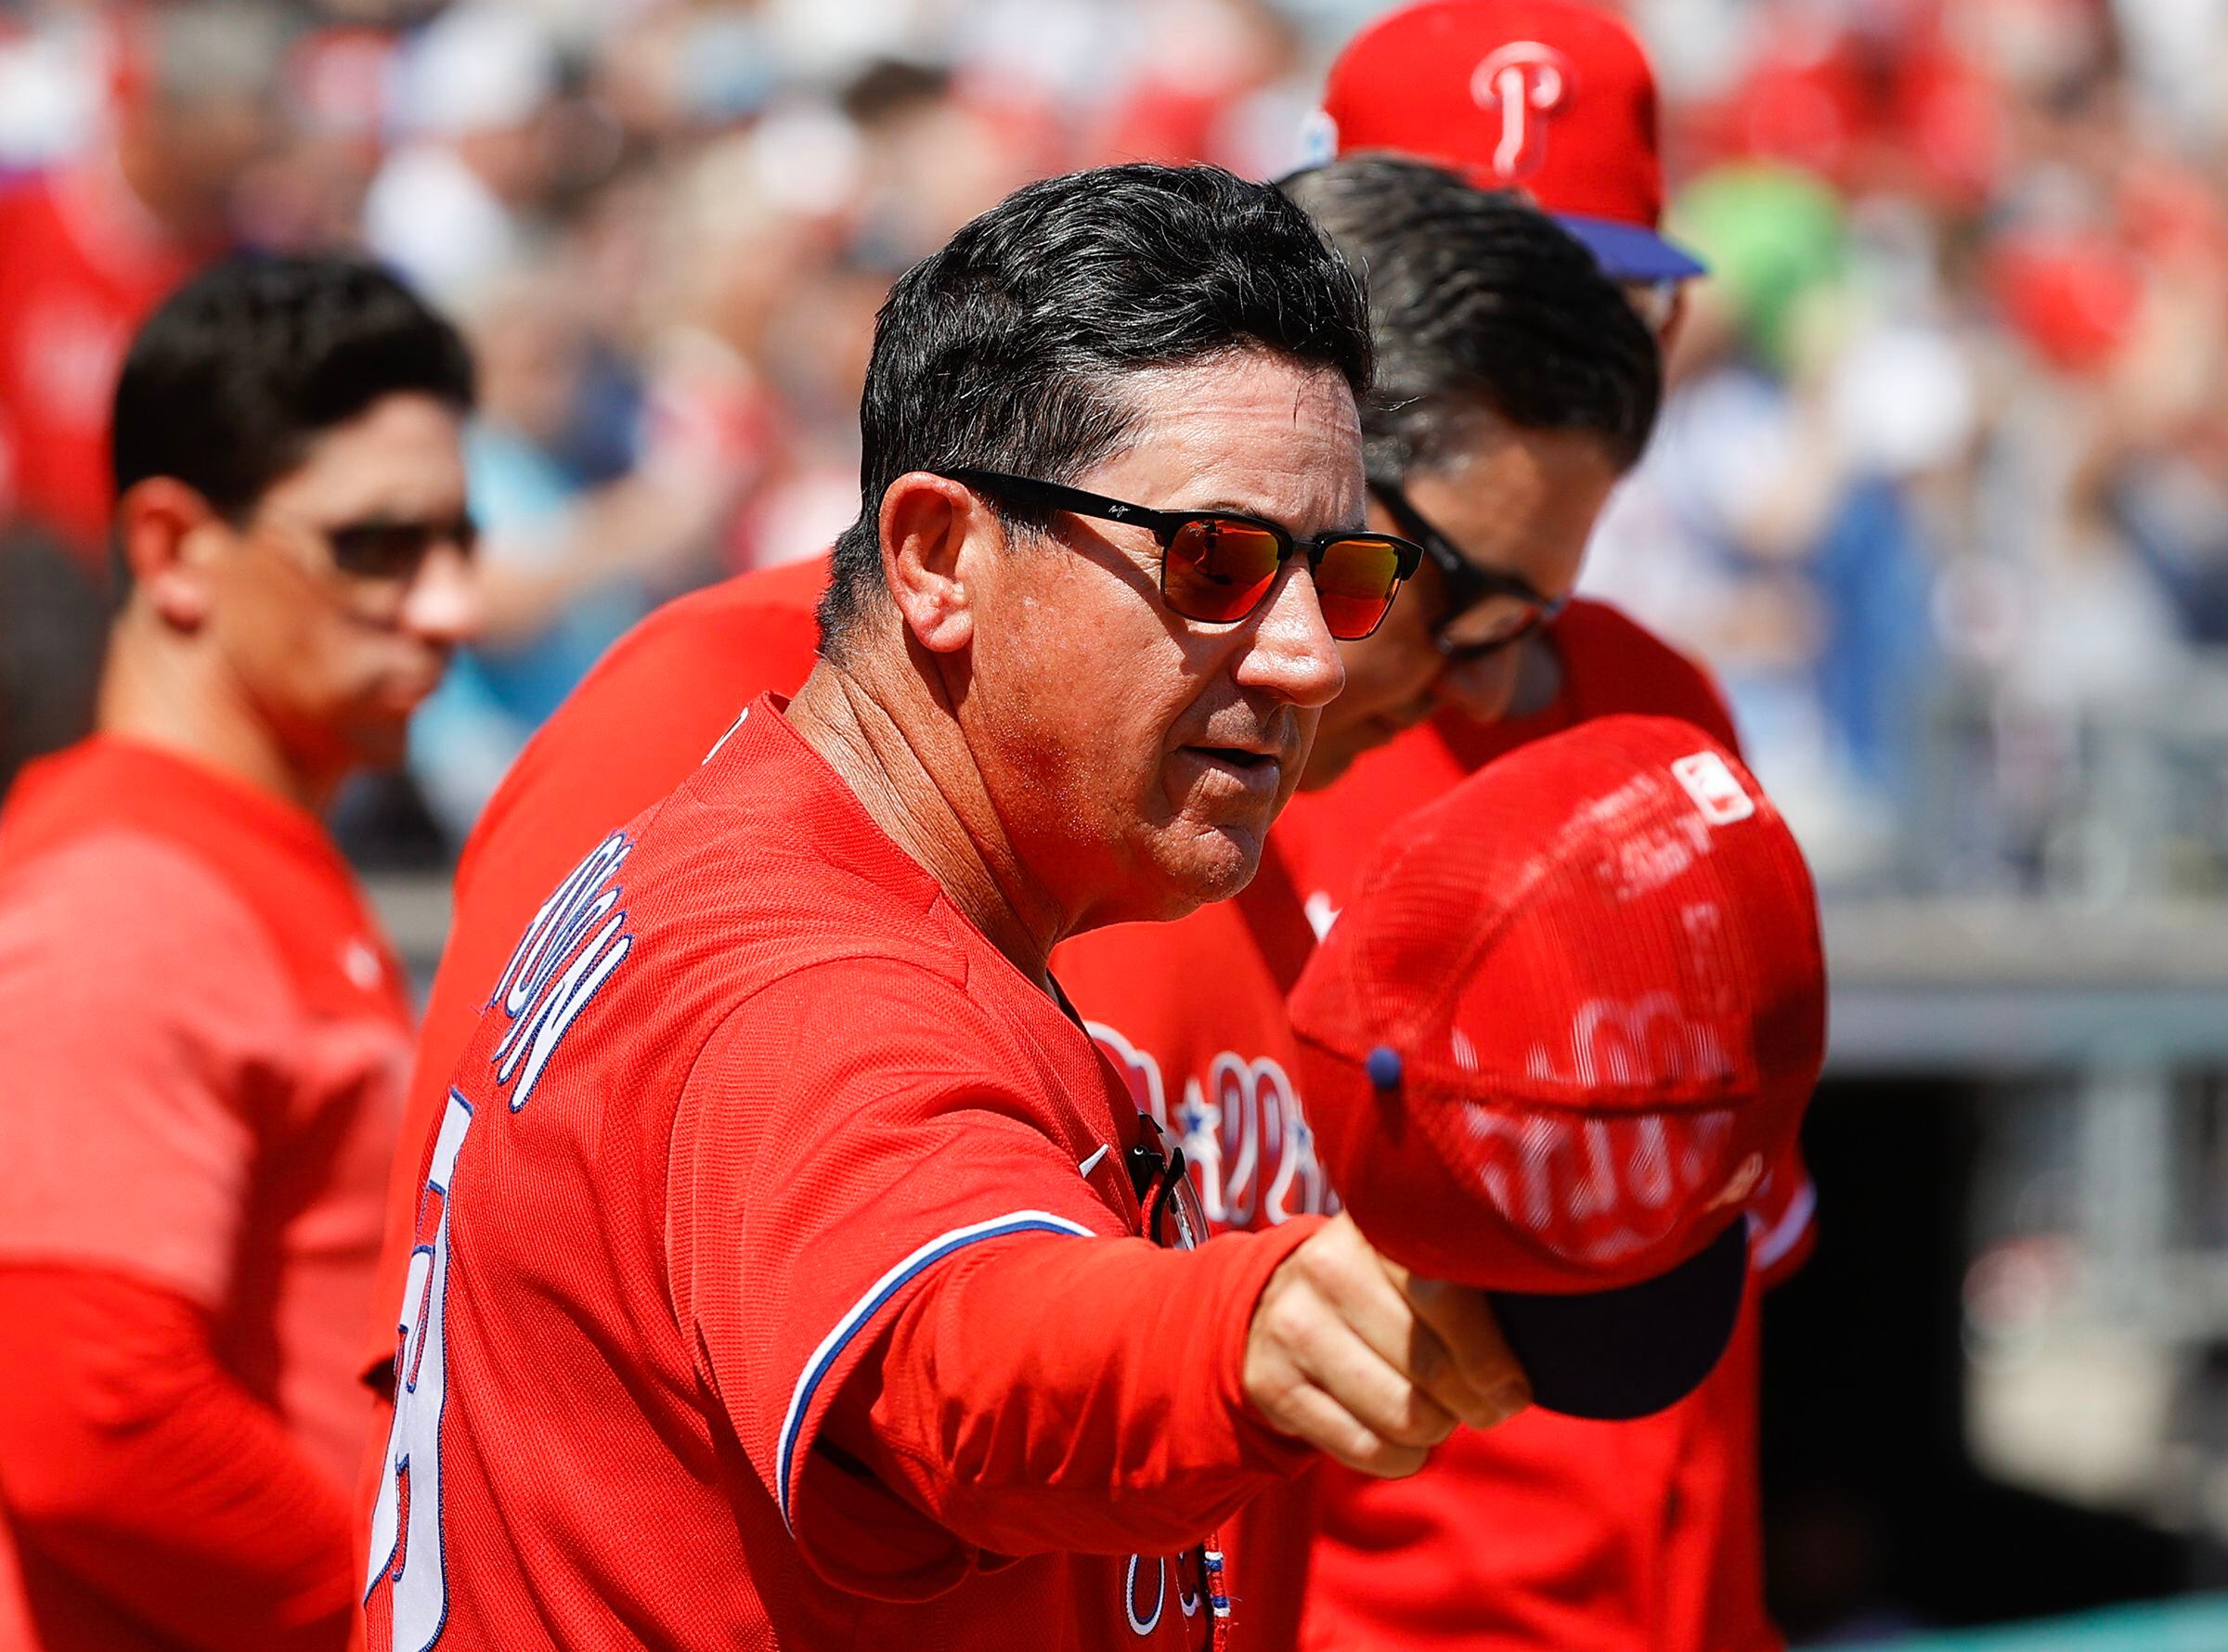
(850, 1174)
(144, 1015)
(131, 1459)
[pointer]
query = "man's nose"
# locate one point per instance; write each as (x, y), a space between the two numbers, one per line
(1290, 652)
(442, 603)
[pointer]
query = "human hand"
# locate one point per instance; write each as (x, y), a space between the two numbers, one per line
(1351, 1353)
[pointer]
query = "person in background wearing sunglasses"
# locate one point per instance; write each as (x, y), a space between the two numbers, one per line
(1644, 1537)
(203, 1032)
(1514, 386)
(783, 1268)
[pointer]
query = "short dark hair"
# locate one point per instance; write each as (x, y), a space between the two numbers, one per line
(229, 381)
(1005, 349)
(1479, 299)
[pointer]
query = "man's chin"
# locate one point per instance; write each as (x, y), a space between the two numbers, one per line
(1215, 864)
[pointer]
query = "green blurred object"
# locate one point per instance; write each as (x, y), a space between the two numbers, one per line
(1772, 236)
(2196, 1624)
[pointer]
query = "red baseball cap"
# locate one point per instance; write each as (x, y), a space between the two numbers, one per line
(1558, 1037)
(1550, 96)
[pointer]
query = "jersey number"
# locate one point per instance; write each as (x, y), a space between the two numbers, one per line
(406, 1598)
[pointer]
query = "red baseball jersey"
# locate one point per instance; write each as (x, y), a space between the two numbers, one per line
(634, 728)
(1643, 1535)
(754, 1108)
(206, 1040)
(1192, 1014)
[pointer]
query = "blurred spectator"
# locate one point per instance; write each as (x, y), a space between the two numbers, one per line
(571, 554)
(92, 242)
(205, 1034)
(476, 93)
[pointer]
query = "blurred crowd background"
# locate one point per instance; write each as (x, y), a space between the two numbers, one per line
(1941, 494)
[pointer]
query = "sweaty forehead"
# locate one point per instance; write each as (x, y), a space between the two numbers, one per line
(1247, 432)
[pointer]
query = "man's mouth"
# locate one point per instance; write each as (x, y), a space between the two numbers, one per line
(1238, 771)
(1238, 756)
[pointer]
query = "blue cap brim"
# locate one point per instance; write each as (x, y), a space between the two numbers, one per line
(1628, 253)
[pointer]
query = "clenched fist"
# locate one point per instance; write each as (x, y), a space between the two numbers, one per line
(1351, 1353)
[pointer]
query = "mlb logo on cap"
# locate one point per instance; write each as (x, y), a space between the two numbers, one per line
(1554, 98)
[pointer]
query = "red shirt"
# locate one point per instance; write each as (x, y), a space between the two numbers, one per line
(777, 1283)
(84, 266)
(206, 1043)
(1618, 1537)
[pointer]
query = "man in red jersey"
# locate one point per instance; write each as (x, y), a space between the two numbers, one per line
(204, 1033)
(662, 698)
(1515, 386)
(1206, 1022)
(810, 1223)
(1629, 1536)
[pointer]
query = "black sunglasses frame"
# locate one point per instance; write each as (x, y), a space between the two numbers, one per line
(395, 551)
(1164, 525)
(1467, 584)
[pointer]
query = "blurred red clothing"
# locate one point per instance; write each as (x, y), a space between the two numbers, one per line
(206, 1041)
(82, 264)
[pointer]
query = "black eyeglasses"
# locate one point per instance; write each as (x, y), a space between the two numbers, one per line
(1216, 565)
(395, 551)
(1485, 611)
(390, 551)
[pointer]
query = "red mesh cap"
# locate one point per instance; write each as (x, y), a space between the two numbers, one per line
(1551, 97)
(1568, 1023)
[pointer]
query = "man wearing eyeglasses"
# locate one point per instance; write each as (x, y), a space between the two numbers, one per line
(1645, 1536)
(783, 1271)
(202, 1033)
(1515, 386)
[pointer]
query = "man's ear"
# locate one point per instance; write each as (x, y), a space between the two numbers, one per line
(169, 535)
(933, 531)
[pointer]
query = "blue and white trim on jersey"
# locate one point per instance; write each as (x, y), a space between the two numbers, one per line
(832, 1346)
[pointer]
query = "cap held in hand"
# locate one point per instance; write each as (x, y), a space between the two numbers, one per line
(1558, 1037)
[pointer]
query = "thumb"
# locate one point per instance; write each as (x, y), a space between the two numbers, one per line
(1462, 1320)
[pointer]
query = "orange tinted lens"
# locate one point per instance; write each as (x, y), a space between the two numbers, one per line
(1217, 570)
(1354, 582)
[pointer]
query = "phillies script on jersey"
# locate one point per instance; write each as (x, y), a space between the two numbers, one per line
(754, 1110)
